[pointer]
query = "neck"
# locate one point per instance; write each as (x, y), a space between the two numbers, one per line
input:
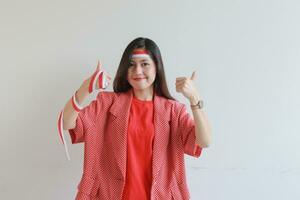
(145, 95)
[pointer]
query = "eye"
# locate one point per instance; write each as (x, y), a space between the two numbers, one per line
(145, 64)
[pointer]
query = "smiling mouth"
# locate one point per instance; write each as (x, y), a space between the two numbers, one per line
(138, 79)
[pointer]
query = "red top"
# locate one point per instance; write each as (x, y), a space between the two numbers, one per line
(139, 150)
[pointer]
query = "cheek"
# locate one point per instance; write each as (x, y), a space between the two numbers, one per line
(128, 76)
(128, 73)
(153, 72)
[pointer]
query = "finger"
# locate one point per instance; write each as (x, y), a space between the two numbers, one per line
(184, 84)
(180, 81)
(98, 65)
(193, 77)
(180, 85)
(180, 78)
(179, 89)
(108, 76)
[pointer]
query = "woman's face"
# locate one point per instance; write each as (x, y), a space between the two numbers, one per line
(141, 73)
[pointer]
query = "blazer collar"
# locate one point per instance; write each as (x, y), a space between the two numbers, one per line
(124, 101)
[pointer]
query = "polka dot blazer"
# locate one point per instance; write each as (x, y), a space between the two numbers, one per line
(102, 127)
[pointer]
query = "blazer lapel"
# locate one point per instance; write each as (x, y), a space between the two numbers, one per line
(118, 127)
(162, 112)
(120, 111)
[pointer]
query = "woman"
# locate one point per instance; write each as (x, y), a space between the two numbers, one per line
(135, 137)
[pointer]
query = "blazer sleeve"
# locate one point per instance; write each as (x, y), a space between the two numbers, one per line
(187, 133)
(85, 121)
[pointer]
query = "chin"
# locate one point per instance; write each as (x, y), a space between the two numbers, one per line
(139, 87)
(143, 86)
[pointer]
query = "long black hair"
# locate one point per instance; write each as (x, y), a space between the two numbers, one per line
(121, 84)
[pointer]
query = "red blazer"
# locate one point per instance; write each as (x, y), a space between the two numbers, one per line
(102, 126)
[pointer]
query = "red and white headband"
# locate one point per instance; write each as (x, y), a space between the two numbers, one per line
(140, 54)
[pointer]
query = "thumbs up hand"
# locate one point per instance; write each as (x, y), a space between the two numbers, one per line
(186, 86)
(98, 80)
(100, 84)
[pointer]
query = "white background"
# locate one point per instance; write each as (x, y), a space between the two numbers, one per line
(247, 56)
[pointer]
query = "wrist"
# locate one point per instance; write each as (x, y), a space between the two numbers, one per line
(194, 99)
(81, 94)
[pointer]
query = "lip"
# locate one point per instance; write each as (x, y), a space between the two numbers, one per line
(138, 79)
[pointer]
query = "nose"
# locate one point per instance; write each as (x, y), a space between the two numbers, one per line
(138, 69)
